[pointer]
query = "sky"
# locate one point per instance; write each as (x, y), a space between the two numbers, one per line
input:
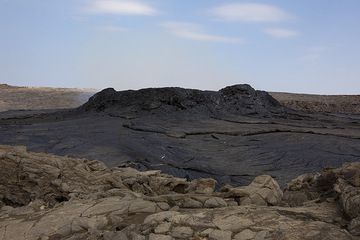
(307, 46)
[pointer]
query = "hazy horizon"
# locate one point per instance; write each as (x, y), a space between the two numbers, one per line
(281, 46)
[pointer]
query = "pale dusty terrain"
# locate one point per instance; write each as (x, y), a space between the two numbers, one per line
(320, 103)
(25, 98)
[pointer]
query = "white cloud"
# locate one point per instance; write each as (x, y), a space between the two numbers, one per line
(281, 32)
(121, 7)
(195, 32)
(313, 53)
(250, 12)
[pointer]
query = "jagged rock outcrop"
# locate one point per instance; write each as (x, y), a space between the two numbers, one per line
(342, 184)
(51, 179)
(264, 190)
(50, 197)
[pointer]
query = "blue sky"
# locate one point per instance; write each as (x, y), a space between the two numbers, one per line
(295, 46)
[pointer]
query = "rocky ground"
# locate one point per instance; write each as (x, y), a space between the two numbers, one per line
(50, 197)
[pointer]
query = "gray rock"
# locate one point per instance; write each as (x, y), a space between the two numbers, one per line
(115, 236)
(261, 235)
(246, 234)
(220, 235)
(215, 202)
(159, 237)
(191, 203)
(264, 190)
(354, 226)
(182, 232)
(163, 228)
(202, 186)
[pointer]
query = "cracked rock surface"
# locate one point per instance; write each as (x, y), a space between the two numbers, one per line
(231, 135)
(50, 197)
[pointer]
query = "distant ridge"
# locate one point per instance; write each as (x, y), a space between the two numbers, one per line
(40, 98)
(349, 104)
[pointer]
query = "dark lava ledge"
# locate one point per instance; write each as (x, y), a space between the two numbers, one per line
(231, 135)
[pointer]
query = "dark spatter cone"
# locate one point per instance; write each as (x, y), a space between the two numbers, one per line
(231, 135)
(238, 99)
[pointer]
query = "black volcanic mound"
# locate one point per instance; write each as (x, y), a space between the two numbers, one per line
(232, 135)
(237, 99)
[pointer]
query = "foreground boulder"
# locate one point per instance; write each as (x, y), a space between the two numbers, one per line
(264, 190)
(341, 185)
(49, 197)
